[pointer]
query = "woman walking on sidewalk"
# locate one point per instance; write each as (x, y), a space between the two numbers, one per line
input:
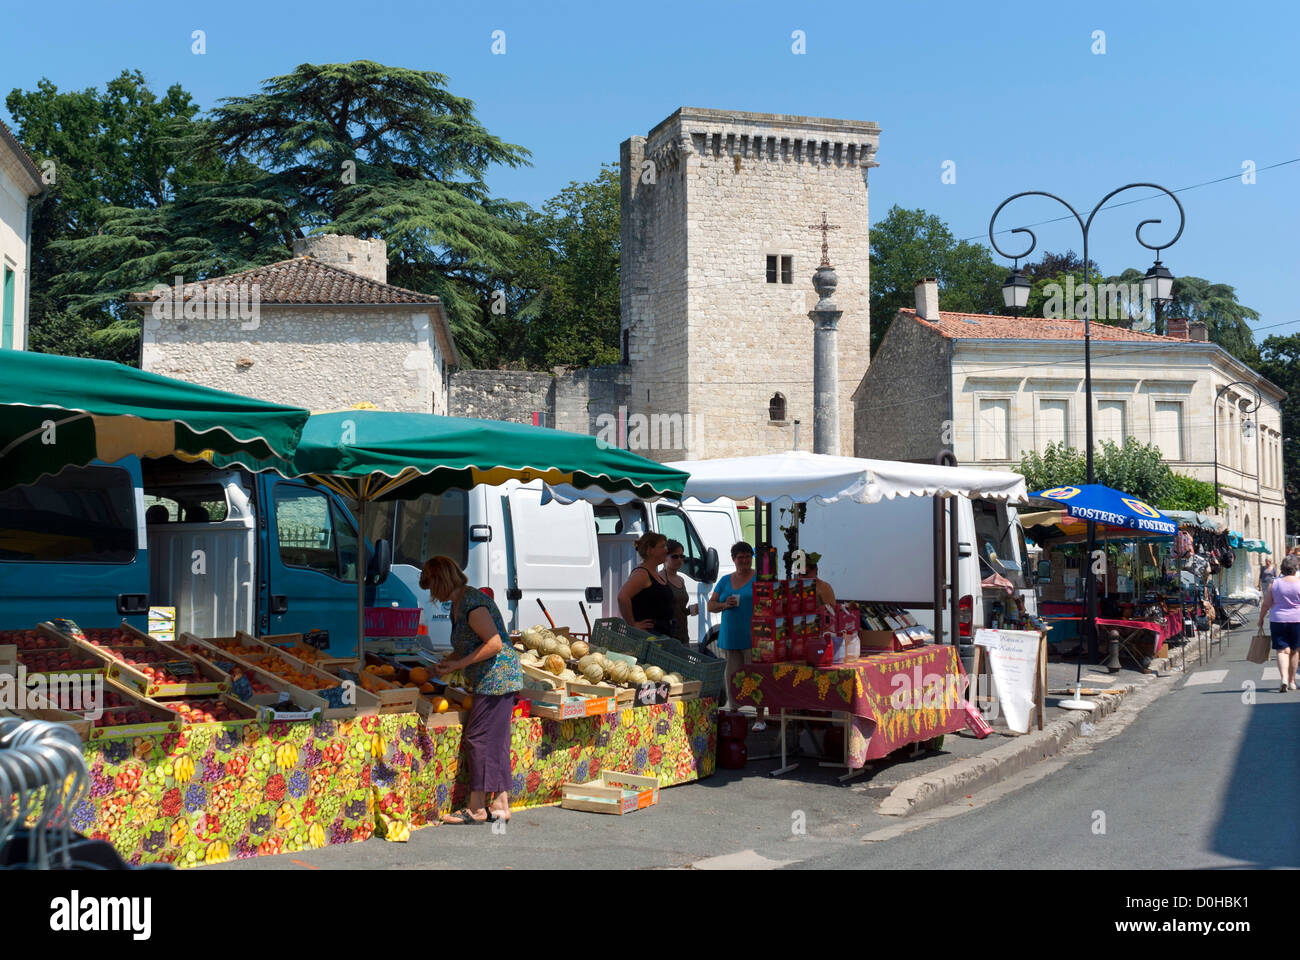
(1282, 607)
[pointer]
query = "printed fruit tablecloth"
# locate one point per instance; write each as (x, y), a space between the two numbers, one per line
(894, 698)
(219, 792)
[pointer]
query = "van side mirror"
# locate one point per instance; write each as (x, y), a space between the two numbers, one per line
(1045, 571)
(381, 562)
(710, 566)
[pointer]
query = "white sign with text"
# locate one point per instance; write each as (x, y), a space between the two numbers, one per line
(1013, 660)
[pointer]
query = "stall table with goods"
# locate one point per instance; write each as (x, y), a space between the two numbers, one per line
(234, 747)
(870, 665)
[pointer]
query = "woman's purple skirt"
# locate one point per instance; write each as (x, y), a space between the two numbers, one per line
(487, 741)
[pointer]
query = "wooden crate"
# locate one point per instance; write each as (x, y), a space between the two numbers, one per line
(77, 723)
(615, 793)
(161, 722)
(246, 713)
(283, 641)
(570, 700)
(393, 698)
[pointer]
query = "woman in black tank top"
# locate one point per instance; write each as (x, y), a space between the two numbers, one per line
(646, 600)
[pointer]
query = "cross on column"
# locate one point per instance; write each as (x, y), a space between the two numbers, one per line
(824, 227)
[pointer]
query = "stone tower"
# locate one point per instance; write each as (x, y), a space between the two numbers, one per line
(717, 254)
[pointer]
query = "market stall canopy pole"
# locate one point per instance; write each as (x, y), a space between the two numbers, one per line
(67, 411)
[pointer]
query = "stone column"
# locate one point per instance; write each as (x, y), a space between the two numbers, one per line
(826, 366)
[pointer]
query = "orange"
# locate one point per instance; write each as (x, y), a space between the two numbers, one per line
(419, 674)
(467, 702)
(441, 705)
(425, 687)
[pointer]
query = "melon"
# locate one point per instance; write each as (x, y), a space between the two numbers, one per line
(654, 674)
(569, 675)
(532, 638)
(554, 664)
(636, 676)
(520, 647)
(579, 648)
(619, 672)
(565, 651)
(550, 645)
(594, 672)
(674, 678)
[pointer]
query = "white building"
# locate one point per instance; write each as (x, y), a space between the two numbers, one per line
(990, 387)
(20, 183)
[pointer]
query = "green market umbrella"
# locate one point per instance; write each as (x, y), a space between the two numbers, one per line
(375, 455)
(66, 411)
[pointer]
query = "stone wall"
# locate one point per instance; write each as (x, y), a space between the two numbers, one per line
(903, 403)
(367, 258)
(502, 395)
(709, 337)
(322, 358)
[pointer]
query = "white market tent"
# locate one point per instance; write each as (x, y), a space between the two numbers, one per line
(801, 476)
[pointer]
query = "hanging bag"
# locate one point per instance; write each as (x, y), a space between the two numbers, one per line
(1259, 648)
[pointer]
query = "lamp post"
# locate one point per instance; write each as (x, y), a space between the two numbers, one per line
(1247, 427)
(1161, 281)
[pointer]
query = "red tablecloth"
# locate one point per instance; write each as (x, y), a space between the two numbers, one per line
(1172, 627)
(894, 698)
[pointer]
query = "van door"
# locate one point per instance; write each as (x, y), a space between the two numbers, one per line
(718, 524)
(74, 546)
(554, 558)
(674, 524)
(310, 580)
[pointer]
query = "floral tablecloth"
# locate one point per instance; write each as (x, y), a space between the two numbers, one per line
(217, 792)
(894, 698)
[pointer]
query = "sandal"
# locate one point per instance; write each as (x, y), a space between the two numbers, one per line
(465, 818)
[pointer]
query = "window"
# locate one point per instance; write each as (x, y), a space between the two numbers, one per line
(1112, 421)
(203, 503)
(626, 353)
(674, 525)
(993, 429)
(7, 311)
(313, 533)
(771, 269)
(422, 528)
(1053, 423)
(786, 265)
(776, 408)
(84, 515)
(1167, 428)
(787, 269)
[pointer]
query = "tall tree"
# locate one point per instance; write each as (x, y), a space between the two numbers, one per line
(1227, 320)
(1279, 360)
(116, 148)
(568, 276)
(909, 244)
(358, 148)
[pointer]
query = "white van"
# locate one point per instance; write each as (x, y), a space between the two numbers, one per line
(885, 552)
(573, 557)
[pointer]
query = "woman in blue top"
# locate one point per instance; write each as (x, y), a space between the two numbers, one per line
(734, 599)
(481, 649)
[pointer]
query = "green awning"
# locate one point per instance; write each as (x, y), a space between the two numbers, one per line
(379, 455)
(66, 411)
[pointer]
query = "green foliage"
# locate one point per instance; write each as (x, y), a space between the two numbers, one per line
(909, 244)
(566, 284)
(1133, 468)
(1279, 361)
(1216, 303)
(1188, 493)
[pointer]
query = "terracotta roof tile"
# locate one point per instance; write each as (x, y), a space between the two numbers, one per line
(983, 326)
(301, 280)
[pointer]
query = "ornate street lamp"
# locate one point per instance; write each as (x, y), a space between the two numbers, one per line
(1090, 601)
(1015, 290)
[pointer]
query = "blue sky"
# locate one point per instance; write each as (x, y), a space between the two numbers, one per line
(1011, 93)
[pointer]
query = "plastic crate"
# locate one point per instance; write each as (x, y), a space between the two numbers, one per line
(392, 621)
(616, 635)
(619, 636)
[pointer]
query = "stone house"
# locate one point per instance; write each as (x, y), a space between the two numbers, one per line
(324, 330)
(20, 184)
(990, 387)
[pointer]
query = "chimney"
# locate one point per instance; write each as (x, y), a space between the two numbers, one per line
(927, 299)
(366, 258)
(1198, 330)
(1176, 327)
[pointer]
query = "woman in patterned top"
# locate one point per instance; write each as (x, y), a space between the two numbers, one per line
(491, 666)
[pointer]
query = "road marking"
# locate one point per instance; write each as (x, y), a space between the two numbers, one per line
(745, 860)
(1271, 673)
(1205, 677)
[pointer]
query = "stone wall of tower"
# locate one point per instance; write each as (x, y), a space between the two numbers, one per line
(708, 335)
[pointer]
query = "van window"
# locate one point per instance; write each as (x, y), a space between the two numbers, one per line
(84, 515)
(997, 548)
(430, 525)
(609, 519)
(673, 524)
(202, 503)
(313, 533)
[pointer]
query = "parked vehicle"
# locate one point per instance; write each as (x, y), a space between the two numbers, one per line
(228, 549)
(885, 552)
(523, 551)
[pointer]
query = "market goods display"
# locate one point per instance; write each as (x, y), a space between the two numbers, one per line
(146, 662)
(112, 637)
(56, 660)
(290, 673)
(203, 711)
(29, 640)
(307, 654)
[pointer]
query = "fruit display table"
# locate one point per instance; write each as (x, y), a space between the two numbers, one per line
(221, 791)
(892, 699)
